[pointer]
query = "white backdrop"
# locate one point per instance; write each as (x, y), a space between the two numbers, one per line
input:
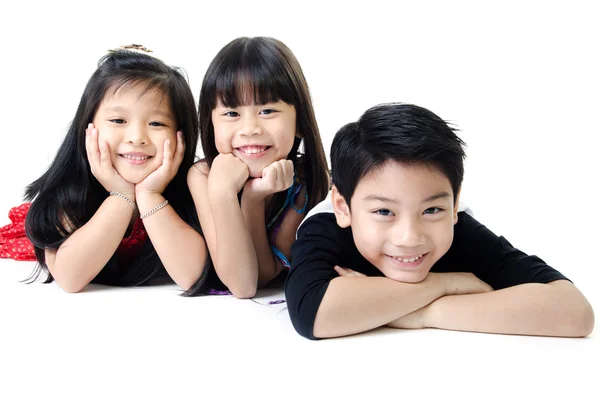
(520, 80)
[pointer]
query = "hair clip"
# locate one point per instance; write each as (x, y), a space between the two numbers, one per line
(133, 47)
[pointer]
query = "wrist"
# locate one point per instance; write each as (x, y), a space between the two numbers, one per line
(438, 283)
(219, 194)
(125, 197)
(148, 200)
(252, 199)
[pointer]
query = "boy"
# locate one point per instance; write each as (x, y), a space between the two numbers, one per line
(362, 258)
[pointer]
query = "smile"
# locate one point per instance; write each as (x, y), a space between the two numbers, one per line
(253, 149)
(407, 260)
(135, 158)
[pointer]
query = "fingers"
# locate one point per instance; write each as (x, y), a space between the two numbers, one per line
(345, 272)
(167, 154)
(180, 149)
(104, 154)
(91, 145)
(288, 173)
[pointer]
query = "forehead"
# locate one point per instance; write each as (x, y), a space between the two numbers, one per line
(135, 94)
(403, 182)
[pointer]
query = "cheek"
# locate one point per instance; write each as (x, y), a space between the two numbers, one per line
(443, 234)
(368, 237)
(222, 140)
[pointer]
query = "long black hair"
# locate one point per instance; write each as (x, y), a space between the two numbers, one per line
(267, 68)
(69, 192)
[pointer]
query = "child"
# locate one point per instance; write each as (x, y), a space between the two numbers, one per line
(392, 217)
(121, 171)
(255, 186)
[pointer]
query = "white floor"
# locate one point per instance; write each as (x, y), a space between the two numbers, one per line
(151, 341)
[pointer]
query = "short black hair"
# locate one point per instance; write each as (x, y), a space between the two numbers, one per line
(404, 133)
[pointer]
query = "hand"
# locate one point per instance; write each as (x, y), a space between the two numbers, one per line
(346, 272)
(98, 155)
(227, 174)
(158, 179)
(276, 177)
(461, 283)
(414, 320)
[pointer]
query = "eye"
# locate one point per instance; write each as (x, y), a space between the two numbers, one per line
(157, 124)
(433, 210)
(117, 121)
(384, 212)
(267, 112)
(231, 113)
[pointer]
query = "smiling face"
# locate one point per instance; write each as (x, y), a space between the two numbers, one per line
(402, 218)
(256, 134)
(135, 124)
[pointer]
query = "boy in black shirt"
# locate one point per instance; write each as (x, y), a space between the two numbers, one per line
(389, 246)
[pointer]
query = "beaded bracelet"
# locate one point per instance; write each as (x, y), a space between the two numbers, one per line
(153, 210)
(121, 195)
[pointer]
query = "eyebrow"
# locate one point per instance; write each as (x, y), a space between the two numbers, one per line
(154, 111)
(433, 197)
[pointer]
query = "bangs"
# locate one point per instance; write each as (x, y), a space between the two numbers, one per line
(157, 86)
(251, 83)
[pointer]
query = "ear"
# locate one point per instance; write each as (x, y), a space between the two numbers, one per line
(340, 208)
(456, 205)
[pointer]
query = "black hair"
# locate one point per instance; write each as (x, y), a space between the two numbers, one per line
(68, 191)
(260, 70)
(398, 132)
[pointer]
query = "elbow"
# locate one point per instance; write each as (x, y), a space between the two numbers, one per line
(70, 285)
(583, 321)
(243, 291)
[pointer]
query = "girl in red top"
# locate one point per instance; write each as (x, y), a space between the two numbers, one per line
(121, 171)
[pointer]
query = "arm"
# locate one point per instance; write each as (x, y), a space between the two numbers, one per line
(554, 309)
(226, 235)
(269, 264)
(356, 304)
(253, 213)
(83, 255)
(277, 177)
(530, 297)
(180, 248)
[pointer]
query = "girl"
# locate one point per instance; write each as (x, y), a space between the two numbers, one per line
(121, 170)
(255, 186)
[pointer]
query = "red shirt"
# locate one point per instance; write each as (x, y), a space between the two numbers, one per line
(15, 244)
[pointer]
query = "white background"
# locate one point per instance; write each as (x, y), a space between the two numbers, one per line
(519, 79)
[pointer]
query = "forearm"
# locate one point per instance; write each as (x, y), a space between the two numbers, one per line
(555, 309)
(356, 304)
(180, 248)
(253, 213)
(235, 260)
(83, 255)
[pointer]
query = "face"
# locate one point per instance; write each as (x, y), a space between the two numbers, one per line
(256, 134)
(135, 125)
(402, 219)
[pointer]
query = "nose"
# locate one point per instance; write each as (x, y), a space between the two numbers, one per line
(407, 233)
(250, 126)
(136, 134)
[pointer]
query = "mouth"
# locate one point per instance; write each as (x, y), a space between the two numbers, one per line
(408, 261)
(253, 150)
(135, 158)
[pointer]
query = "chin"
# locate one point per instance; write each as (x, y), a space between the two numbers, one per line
(407, 277)
(255, 172)
(133, 178)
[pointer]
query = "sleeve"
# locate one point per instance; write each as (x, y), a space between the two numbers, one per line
(317, 249)
(494, 260)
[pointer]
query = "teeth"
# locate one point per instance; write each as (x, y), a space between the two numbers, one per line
(136, 158)
(410, 260)
(253, 149)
